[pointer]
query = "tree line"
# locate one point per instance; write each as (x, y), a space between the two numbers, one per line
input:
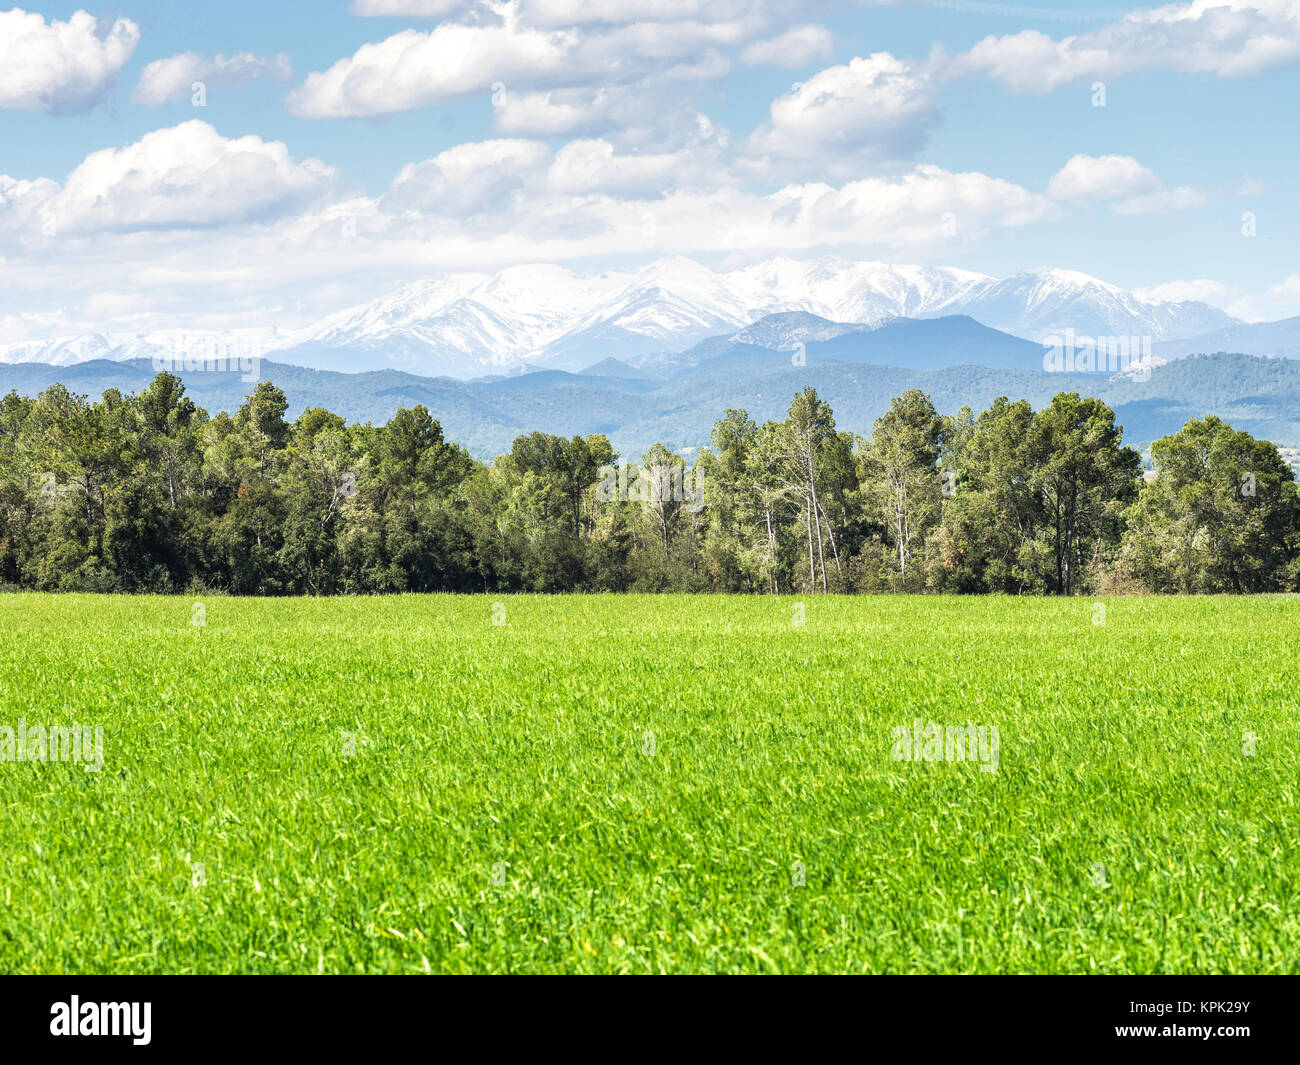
(148, 493)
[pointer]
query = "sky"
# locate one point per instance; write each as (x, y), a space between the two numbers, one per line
(169, 164)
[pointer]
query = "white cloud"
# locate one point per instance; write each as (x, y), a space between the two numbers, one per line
(126, 220)
(16, 328)
(1280, 301)
(60, 67)
(586, 166)
(1161, 200)
(469, 178)
(1288, 291)
(405, 8)
(1200, 290)
(530, 48)
(631, 110)
(1092, 179)
(653, 114)
(1120, 180)
(173, 78)
(875, 108)
(913, 210)
(185, 177)
(509, 178)
(1228, 38)
(796, 47)
(562, 112)
(24, 205)
(569, 217)
(569, 12)
(578, 12)
(412, 69)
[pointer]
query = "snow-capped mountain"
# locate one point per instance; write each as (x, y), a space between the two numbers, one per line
(547, 315)
(863, 293)
(669, 305)
(462, 326)
(227, 344)
(786, 330)
(676, 302)
(1042, 303)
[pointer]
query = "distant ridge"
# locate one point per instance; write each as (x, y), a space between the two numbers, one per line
(1257, 394)
(545, 315)
(1276, 339)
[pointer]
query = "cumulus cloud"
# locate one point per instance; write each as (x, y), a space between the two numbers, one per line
(1200, 290)
(1279, 301)
(60, 67)
(572, 12)
(578, 12)
(1287, 290)
(796, 47)
(25, 205)
(1228, 38)
(875, 108)
(1161, 200)
(511, 178)
(405, 8)
(585, 198)
(587, 166)
(596, 201)
(533, 48)
(124, 220)
(185, 177)
(173, 78)
(564, 112)
(413, 69)
(912, 210)
(654, 113)
(468, 178)
(1089, 179)
(1120, 180)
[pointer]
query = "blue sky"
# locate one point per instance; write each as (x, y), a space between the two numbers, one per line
(338, 153)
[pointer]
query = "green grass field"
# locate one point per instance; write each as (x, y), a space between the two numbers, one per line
(636, 784)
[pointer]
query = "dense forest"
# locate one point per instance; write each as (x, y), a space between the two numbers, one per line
(148, 493)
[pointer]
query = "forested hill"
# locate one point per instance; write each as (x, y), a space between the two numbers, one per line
(635, 410)
(146, 492)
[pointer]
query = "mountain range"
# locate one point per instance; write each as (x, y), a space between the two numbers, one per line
(658, 355)
(679, 405)
(526, 317)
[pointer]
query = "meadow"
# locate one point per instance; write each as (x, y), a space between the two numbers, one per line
(651, 784)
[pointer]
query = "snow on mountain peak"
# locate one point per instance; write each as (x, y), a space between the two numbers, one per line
(543, 313)
(1068, 278)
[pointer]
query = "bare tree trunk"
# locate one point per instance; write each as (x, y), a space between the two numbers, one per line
(816, 513)
(830, 531)
(900, 526)
(821, 553)
(1070, 521)
(771, 549)
(812, 560)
